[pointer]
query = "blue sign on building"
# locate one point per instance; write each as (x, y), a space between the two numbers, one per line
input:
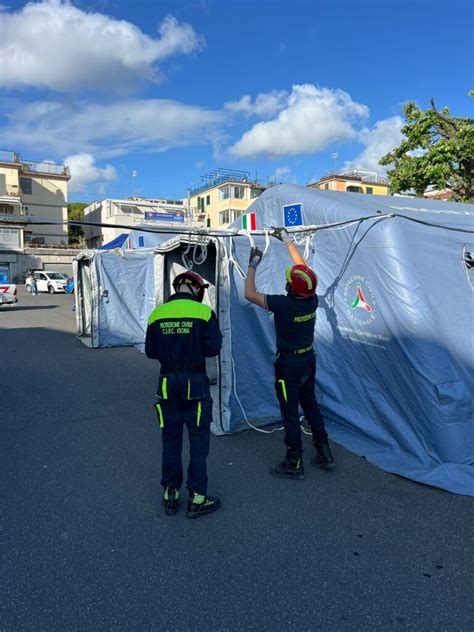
(293, 215)
(163, 217)
(141, 241)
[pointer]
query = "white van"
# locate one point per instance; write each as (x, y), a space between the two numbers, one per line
(48, 281)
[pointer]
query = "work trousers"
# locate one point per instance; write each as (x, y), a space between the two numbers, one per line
(295, 384)
(184, 400)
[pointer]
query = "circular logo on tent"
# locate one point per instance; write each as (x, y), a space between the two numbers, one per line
(359, 300)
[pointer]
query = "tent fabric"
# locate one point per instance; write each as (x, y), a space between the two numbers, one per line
(117, 242)
(396, 383)
(394, 334)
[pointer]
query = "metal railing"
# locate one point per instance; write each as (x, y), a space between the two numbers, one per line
(8, 155)
(45, 167)
(221, 176)
(33, 166)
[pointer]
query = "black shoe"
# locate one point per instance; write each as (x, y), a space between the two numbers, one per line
(290, 467)
(323, 458)
(170, 501)
(208, 505)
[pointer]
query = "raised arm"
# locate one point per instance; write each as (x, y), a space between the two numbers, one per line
(283, 235)
(251, 293)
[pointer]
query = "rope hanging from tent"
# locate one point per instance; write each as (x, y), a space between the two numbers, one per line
(195, 259)
(231, 261)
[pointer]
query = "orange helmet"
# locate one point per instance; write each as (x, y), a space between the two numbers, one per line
(190, 278)
(302, 280)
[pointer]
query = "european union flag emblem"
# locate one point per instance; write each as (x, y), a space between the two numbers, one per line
(293, 215)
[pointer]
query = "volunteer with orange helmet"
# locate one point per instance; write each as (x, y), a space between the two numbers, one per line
(181, 334)
(295, 365)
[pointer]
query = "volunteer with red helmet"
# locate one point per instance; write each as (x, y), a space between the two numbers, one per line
(295, 365)
(181, 334)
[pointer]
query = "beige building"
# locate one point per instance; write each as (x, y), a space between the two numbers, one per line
(37, 189)
(128, 213)
(224, 196)
(355, 181)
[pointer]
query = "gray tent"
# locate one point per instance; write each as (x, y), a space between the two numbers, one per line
(394, 334)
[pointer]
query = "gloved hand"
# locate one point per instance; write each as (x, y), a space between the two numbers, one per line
(281, 234)
(255, 258)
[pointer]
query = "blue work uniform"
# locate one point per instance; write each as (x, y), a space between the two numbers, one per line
(181, 334)
(295, 366)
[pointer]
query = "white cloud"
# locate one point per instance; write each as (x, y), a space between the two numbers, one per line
(312, 118)
(84, 171)
(266, 104)
(109, 130)
(379, 140)
(53, 44)
(280, 174)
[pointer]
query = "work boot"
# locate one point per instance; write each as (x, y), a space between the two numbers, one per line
(323, 457)
(290, 467)
(200, 505)
(170, 501)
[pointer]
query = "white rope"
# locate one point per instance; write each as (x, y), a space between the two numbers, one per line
(267, 241)
(202, 243)
(233, 260)
(250, 238)
(230, 259)
(306, 247)
(298, 238)
(187, 263)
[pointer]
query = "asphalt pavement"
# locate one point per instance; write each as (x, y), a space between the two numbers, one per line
(84, 545)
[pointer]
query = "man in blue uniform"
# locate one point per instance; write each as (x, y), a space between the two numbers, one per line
(181, 334)
(295, 365)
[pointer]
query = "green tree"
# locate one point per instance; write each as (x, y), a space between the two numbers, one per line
(438, 150)
(75, 211)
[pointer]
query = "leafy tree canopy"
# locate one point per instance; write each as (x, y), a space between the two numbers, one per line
(438, 150)
(75, 211)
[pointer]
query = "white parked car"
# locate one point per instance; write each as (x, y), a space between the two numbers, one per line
(8, 295)
(48, 281)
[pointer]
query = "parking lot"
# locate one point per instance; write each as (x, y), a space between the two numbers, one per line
(85, 545)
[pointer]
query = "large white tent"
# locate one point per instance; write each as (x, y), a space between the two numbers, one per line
(394, 332)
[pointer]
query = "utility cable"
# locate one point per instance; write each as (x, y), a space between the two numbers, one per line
(231, 232)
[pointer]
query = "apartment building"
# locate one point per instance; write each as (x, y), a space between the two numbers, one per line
(354, 181)
(38, 189)
(224, 195)
(122, 215)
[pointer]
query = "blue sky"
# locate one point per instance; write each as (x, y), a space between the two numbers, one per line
(173, 90)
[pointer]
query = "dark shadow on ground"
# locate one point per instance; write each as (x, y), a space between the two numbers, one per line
(22, 308)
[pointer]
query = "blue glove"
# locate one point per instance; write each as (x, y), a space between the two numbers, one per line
(255, 258)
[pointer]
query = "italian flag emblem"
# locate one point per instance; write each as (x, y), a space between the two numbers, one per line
(360, 301)
(249, 221)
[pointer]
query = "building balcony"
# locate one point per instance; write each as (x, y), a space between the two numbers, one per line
(49, 168)
(10, 196)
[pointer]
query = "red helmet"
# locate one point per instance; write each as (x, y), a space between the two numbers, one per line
(190, 278)
(302, 279)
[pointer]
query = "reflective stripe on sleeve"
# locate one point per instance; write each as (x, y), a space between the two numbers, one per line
(164, 388)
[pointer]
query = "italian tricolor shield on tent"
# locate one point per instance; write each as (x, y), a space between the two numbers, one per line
(249, 221)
